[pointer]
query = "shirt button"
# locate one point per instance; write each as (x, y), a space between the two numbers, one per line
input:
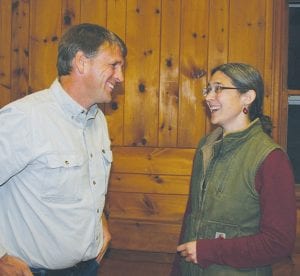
(67, 162)
(91, 155)
(94, 182)
(97, 210)
(103, 150)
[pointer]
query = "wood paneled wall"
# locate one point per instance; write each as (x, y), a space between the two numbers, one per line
(157, 116)
(173, 44)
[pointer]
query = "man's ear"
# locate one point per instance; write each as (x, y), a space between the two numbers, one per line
(249, 97)
(79, 62)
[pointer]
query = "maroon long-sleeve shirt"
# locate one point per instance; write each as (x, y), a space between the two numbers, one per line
(275, 184)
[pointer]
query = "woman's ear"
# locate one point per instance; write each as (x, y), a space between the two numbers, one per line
(248, 97)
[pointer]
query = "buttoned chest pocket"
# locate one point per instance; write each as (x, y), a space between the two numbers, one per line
(65, 177)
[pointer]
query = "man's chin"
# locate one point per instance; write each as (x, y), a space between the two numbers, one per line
(106, 101)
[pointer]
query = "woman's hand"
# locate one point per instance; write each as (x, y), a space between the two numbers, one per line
(188, 251)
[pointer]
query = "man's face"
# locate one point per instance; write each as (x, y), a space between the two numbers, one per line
(104, 71)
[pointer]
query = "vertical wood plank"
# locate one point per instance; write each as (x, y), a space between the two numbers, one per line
(218, 39)
(193, 66)
(279, 71)
(94, 11)
(116, 22)
(5, 46)
(70, 13)
(218, 33)
(247, 32)
(20, 49)
(269, 96)
(45, 28)
(142, 74)
(169, 73)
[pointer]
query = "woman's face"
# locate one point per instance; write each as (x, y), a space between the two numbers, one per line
(226, 105)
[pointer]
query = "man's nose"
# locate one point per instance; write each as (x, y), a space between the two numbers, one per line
(119, 76)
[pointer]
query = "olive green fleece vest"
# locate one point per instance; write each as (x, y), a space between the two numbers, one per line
(223, 197)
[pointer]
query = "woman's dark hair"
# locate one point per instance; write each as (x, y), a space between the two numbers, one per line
(87, 38)
(246, 77)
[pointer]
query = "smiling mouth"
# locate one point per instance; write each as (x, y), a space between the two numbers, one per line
(110, 85)
(213, 108)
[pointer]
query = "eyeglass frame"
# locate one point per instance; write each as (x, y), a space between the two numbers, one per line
(217, 88)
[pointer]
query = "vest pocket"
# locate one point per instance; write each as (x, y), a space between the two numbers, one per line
(217, 229)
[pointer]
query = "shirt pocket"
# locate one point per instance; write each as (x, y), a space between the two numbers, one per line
(107, 158)
(65, 175)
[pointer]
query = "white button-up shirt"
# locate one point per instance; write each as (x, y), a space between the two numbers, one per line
(55, 160)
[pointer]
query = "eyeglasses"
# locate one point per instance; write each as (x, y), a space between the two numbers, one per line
(217, 88)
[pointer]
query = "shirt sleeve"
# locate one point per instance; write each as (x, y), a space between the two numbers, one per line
(275, 184)
(14, 147)
(15, 137)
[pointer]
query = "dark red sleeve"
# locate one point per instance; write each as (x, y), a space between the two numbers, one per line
(275, 240)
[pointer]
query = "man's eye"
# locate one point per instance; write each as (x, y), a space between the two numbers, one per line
(114, 65)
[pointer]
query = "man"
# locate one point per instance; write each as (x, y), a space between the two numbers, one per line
(55, 162)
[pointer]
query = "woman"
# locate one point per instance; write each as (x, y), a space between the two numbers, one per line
(241, 213)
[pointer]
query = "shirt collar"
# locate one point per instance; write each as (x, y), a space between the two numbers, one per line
(70, 106)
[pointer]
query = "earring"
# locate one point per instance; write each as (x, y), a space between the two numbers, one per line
(245, 110)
